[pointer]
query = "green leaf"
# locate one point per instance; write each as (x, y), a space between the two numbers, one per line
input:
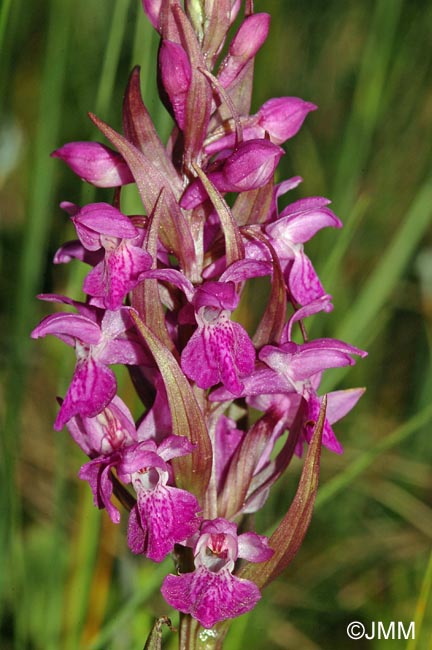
(288, 536)
(138, 127)
(253, 206)
(384, 277)
(270, 327)
(154, 641)
(145, 297)
(421, 607)
(234, 247)
(112, 55)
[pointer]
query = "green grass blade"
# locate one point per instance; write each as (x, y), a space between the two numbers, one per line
(425, 596)
(82, 562)
(383, 280)
(124, 615)
(403, 503)
(41, 193)
(33, 253)
(4, 16)
(342, 243)
(53, 587)
(367, 102)
(357, 467)
(112, 56)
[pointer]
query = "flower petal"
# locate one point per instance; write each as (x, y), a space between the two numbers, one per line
(95, 163)
(98, 474)
(104, 219)
(119, 273)
(254, 548)
(282, 117)
(329, 439)
(68, 327)
(303, 281)
(221, 352)
(166, 516)
(210, 597)
(74, 250)
(92, 388)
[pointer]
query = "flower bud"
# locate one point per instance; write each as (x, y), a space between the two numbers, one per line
(282, 117)
(176, 75)
(251, 36)
(251, 165)
(245, 44)
(95, 163)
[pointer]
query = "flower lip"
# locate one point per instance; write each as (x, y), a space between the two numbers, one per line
(212, 593)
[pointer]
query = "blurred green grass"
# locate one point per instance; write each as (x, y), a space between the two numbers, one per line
(67, 579)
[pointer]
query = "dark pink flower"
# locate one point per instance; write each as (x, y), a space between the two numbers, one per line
(163, 515)
(220, 350)
(293, 374)
(100, 225)
(280, 118)
(297, 223)
(212, 593)
(103, 434)
(103, 437)
(97, 342)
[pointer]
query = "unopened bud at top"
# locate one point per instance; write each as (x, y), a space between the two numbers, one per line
(245, 44)
(95, 163)
(251, 36)
(175, 73)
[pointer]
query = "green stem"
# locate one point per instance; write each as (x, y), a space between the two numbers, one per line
(195, 637)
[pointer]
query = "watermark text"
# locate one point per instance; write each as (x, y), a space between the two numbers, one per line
(380, 630)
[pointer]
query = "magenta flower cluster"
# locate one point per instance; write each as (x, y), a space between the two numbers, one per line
(161, 297)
